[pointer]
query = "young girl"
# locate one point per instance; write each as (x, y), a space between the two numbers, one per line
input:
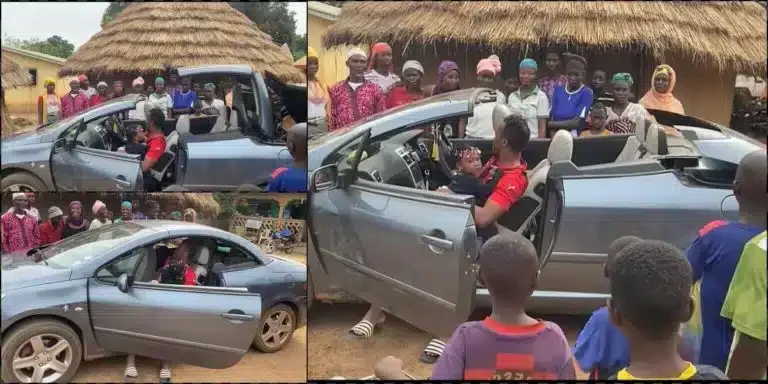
(448, 81)
(468, 180)
(598, 115)
(571, 102)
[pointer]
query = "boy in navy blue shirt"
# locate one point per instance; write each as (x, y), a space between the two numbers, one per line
(293, 179)
(716, 252)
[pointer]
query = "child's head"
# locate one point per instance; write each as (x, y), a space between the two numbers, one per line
(575, 68)
(749, 185)
(617, 246)
(511, 81)
(467, 159)
(135, 133)
(598, 79)
(509, 267)
(598, 116)
(297, 141)
(650, 291)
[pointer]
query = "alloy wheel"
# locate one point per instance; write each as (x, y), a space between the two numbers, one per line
(42, 359)
(277, 328)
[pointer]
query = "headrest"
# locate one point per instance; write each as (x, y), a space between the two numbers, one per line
(203, 254)
(182, 125)
(561, 147)
(656, 140)
(641, 131)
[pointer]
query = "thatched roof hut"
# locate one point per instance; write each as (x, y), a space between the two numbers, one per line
(203, 203)
(707, 42)
(301, 63)
(147, 37)
(13, 75)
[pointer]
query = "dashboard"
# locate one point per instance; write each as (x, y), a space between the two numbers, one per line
(399, 160)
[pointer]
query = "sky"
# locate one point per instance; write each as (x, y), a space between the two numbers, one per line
(43, 20)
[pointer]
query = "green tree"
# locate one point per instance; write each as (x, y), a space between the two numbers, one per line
(112, 10)
(54, 45)
(230, 204)
(273, 18)
(299, 47)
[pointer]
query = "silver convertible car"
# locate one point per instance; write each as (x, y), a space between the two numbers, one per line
(379, 230)
(95, 294)
(83, 152)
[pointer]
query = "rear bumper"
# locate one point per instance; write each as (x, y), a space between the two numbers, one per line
(552, 302)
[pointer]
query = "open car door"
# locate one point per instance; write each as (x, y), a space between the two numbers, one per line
(407, 251)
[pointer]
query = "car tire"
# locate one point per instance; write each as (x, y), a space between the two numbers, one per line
(53, 329)
(258, 341)
(26, 179)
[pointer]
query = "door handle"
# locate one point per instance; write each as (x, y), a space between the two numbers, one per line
(437, 242)
(237, 316)
(121, 179)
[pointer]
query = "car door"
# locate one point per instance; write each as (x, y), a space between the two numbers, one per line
(407, 251)
(63, 164)
(209, 327)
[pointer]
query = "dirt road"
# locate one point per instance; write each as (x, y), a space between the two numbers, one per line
(332, 353)
(287, 365)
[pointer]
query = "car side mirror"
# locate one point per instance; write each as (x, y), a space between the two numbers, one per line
(124, 282)
(324, 179)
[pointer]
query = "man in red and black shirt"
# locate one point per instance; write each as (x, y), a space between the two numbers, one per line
(51, 230)
(511, 136)
(155, 148)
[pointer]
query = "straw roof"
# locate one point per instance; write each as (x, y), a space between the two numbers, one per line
(724, 35)
(203, 203)
(301, 63)
(147, 37)
(13, 75)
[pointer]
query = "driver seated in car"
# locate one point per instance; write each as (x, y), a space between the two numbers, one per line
(177, 269)
(467, 180)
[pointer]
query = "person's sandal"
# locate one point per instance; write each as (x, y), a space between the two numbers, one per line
(363, 330)
(131, 374)
(432, 352)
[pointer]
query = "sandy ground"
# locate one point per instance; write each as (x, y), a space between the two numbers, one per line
(331, 353)
(287, 365)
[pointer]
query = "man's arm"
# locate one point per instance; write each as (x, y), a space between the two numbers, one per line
(36, 235)
(488, 214)
(5, 243)
(542, 112)
(508, 191)
(748, 359)
(154, 151)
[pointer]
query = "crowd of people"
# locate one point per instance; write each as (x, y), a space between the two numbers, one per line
(180, 97)
(672, 315)
(555, 97)
(23, 228)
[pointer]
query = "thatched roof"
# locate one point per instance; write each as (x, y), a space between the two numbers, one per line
(203, 203)
(13, 75)
(145, 37)
(725, 35)
(301, 63)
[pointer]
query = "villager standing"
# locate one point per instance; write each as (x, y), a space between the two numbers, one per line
(449, 80)
(101, 94)
(48, 104)
(85, 86)
(75, 222)
(410, 89)
(354, 98)
(380, 68)
(160, 98)
(74, 101)
(52, 230)
(100, 212)
(571, 102)
(660, 95)
(214, 107)
(118, 90)
(529, 101)
(623, 115)
(20, 230)
(480, 124)
(318, 102)
(553, 74)
(183, 98)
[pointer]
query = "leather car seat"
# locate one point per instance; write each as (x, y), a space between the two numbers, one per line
(522, 214)
(145, 272)
(655, 141)
(633, 149)
(201, 259)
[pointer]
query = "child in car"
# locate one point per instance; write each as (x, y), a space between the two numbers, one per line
(136, 136)
(508, 345)
(468, 180)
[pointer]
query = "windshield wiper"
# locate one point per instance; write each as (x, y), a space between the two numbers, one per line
(37, 255)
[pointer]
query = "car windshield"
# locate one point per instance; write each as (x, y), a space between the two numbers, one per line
(86, 245)
(69, 120)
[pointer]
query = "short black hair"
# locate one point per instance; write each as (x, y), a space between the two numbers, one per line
(516, 132)
(509, 266)
(618, 245)
(152, 204)
(651, 288)
(575, 62)
(157, 117)
(131, 131)
(599, 105)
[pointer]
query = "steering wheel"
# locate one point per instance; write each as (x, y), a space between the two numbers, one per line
(117, 131)
(444, 147)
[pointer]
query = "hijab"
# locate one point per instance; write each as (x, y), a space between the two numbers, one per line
(663, 101)
(376, 50)
(445, 67)
(71, 220)
(190, 213)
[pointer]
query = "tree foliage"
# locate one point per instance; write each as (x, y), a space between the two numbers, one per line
(299, 47)
(112, 10)
(54, 45)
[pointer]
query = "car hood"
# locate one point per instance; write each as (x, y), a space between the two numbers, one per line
(19, 272)
(20, 139)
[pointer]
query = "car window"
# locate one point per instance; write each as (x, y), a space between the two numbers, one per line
(232, 255)
(89, 244)
(126, 264)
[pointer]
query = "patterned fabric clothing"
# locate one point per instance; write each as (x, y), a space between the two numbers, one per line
(548, 84)
(350, 105)
(73, 104)
(19, 234)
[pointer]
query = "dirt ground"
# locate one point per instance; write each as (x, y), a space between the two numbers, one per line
(332, 353)
(287, 365)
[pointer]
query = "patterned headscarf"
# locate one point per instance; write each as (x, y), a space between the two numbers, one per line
(49, 81)
(622, 77)
(77, 222)
(528, 63)
(376, 50)
(445, 67)
(491, 64)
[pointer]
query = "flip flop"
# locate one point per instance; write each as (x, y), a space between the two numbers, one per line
(362, 330)
(433, 351)
(131, 374)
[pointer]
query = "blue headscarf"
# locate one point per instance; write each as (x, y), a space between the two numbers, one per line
(528, 63)
(126, 204)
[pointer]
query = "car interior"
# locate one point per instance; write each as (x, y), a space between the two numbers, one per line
(404, 159)
(209, 258)
(109, 133)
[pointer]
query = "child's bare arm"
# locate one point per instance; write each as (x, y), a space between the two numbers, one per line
(390, 368)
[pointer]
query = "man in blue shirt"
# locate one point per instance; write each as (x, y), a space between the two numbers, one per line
(293, 179)
(715, 254)
(183, 99)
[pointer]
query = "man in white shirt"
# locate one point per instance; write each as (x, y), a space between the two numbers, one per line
(529, 101)
(160, 98)
(214, 107)
(31, 209)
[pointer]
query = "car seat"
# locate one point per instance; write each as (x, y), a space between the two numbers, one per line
(655, 143)
(633, 148)
(201, 259)
(145, 272)
(182, 125)
(522, 214)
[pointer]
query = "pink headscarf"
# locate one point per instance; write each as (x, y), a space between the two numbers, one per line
(491, 64)
(445, 67)
(97, 206)
(376, 50)
(82, 78)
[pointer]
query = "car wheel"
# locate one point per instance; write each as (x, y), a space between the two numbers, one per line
(22, 182)
(41, 351)
(275, 328)
(269, 246)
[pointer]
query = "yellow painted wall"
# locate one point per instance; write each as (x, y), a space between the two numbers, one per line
(332, 62)
(22, 102)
